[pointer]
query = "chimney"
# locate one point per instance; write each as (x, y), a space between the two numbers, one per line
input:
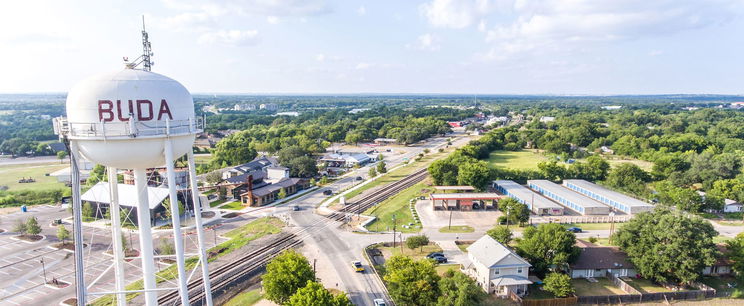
(249, 181)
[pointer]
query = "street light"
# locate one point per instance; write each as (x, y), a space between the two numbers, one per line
(43, 268)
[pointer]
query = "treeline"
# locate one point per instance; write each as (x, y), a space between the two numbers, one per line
(32, 197)
(22, 127)
(293, 138)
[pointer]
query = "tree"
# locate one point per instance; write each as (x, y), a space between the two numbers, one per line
(380, 157)
(381, 167)
(20, 227)
(476, 174)
(548, 245)
(303, 166)
(98, 174)
(558, 284)
(459, 290)
(312, 182)
(282, 193)
(32, 226)
(233, 150)
(372, 172)
(515, 212)
(683, 198)
(418, 241)
(62, 233)
(285, 274)
(324, 180)
(444, 172)
(168, 213)
(628, 177)
(61, 155)
(666, 245)
(315, 294)
(213, 177)
(735, 253)
(501, 234)
(552, 170)
(411, 283)
(166, 247)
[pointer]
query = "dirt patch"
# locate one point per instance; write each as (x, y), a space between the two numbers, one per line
(127, 253)
(2, 230)
(57, 283)
(168, 261)
(67, 246)
(207, 214)
(232, 215)
(70, 302)
(30, 238)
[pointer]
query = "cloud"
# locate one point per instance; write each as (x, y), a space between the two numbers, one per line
(257, 7)
(555, 25)
(361, 11)
(272, 19)
(455, 14)
(232, 37)
(427, 42)
(363, 66)
(320, 57)
(655, 52)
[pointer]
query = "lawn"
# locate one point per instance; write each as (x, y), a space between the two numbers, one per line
(720, 283)
(536, 293)
(457, 229)
(614, 161)
(397, 205)
(10, 174)
(245, 298)
(417, 253)
(463, 246)
(645, 286)
(441, 269)
(235, 205)
(721, 239)
(603, 286)
(524, 159)
(216, 203)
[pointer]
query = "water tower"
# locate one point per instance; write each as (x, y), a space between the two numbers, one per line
(134, 119)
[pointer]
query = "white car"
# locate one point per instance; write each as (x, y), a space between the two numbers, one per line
(379, 302)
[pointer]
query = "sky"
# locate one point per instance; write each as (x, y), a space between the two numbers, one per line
(563, 47)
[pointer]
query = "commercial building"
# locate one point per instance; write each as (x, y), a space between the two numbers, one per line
(572, 200)
(99, 198)
(609, 197)
(464, 201)
(538, 204)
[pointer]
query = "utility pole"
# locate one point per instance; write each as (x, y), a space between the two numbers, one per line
(394, 224)
(43, 268)
(314, 262)
(450, 219)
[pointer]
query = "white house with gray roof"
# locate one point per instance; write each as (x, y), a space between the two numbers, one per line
(496, 268)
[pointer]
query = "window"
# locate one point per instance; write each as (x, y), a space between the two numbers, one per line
(497, 271)
(519, 270)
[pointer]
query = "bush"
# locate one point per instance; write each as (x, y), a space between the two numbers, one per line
(418, 241)
(558, 284)
(593, 239)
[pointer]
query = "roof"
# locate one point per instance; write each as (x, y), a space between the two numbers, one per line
(607, 193)
(257, 175)
(509, 280)
(566, 193)
(466, 196)
(454, 187)
(57, 146)
(595, 257)
(526, 196)
(278, 168)
(490, 252)
(268, 189)
(260, 162)
(127, 195)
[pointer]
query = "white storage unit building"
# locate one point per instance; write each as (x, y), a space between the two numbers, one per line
(609, 197)
(568, 198)
(535, 202)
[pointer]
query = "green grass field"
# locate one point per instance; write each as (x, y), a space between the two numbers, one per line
(10, 174)
(645, 286)
(216, 203)
(398, 206)
(457, 229)
(524, 159)
(417, 253)
(245, 298)
(235, 205)
(603, 286)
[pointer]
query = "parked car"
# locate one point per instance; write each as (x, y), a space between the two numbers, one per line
(295, 208)
(434, 254)
(574, 229)
(328, 192)
(357, 265)
(379, 302)
(359, 178)
(440, 259)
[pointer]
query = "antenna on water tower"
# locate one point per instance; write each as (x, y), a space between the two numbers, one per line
(146, 58)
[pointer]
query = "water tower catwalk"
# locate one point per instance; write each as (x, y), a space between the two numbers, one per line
(135, 119)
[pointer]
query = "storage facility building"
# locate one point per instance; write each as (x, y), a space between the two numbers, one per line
(568, 198)
(609, 197)
(535, 202)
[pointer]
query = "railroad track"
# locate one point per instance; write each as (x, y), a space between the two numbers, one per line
(382, 195)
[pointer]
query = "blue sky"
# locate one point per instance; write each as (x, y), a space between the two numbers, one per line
(432, 46)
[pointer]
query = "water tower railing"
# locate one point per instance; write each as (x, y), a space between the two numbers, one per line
(124, 129)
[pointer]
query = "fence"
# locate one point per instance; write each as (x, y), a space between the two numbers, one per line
(635, 296)
(551, 302)
(622, 284)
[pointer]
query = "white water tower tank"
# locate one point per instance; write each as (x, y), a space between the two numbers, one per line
(121, 119)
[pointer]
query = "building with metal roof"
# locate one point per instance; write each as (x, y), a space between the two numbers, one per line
(464, 201)
(609, 197)
(538, 204)
(572, 200)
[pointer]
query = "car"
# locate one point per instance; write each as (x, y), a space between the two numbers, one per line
(327, 192)
(574, 229)
(295, 208)
(440, 259)
(379, 302)
(357, 265)
(359, 178)
(435, 254)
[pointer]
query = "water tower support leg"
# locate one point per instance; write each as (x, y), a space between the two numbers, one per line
(145, 237)
(199, 229)
(115, 213)
(183, 290)
(77, 227)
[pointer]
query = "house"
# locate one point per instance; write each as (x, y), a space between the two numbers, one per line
(270, 192)
(723, 264)
(261, 183)
(496, 268)
(337, 160)
(597, 261)
(259, 163)
(99, 198)
(731, 206)
(546, 119)
(269, 106)
(56, 147)
(385, 141)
